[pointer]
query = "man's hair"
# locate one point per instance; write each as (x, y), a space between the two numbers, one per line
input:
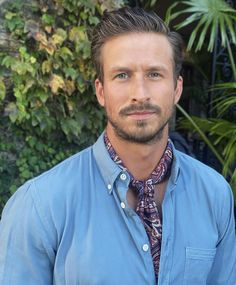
(132, 20)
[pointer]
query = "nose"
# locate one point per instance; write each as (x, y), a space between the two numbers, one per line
(139, 92)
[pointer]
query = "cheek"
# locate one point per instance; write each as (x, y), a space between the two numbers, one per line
(109, 103)
(167, 102)
(113, 98)
(164, 96)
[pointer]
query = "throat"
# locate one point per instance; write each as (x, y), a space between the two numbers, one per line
(141, 166)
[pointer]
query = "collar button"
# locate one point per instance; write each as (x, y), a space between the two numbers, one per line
(123, 176)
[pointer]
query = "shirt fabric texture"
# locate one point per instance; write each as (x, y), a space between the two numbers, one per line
(146, 206)
(72, 225)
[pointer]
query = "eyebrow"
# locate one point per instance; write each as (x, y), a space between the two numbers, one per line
(157, 68)
(119, 68)
(149, 68)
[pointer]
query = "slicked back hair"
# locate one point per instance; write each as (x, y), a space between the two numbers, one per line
(132, 20)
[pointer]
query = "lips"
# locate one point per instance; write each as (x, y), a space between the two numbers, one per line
(141, 115)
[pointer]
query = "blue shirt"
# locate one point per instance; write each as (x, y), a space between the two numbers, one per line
(72, 225)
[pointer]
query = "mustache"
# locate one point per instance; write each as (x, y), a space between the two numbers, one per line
(143, 107)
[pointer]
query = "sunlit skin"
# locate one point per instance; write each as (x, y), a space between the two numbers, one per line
(139, 93)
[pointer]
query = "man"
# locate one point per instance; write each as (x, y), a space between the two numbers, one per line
(130, 209)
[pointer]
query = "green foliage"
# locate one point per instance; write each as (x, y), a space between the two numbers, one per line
(50, 67)
(52, 109)
(227, 100)
(22, 157)
(36, 156)
(212, 17)
(2, 89)
(223, 135)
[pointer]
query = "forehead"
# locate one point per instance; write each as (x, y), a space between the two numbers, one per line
(137, 49)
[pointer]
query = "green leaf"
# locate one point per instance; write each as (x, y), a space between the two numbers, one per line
(48, 19)
(22, 68)
(71, 126)
(26, 174)
(71, 72)
(59, 37)
(8, 61)
(10, 15)
(42, 95)
(12, 111)
(65, 53)
(93, 20)
(13, 189)
(77, 34)
(2, 89)
(46, 66)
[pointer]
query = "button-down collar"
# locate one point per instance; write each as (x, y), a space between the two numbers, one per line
(110, 170)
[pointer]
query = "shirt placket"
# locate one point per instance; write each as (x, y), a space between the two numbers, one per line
(134, 225)
(167, 237)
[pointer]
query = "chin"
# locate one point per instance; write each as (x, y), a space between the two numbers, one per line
(142, 132)
(140, 136)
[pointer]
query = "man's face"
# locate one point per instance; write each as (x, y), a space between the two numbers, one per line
(138, 91)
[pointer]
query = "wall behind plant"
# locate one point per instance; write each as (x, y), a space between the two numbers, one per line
(47, 105)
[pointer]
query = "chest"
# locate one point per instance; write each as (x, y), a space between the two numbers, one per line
(102, 242)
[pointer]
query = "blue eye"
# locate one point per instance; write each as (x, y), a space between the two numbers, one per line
(153, 74)
(122, 75)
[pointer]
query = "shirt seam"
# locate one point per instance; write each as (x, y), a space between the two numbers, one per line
(43, 221)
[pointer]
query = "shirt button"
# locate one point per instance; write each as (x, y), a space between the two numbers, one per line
(145, 247)
(122, 204)
(109, 186)
(122, 176)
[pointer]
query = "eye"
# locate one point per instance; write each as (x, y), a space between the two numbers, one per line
(153, 74)
(122, 75)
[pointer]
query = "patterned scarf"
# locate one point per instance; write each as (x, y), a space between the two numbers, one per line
(146, 207)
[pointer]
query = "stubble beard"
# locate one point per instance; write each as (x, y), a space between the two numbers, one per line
(141, 136)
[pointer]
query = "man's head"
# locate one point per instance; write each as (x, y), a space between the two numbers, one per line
(138, 61)
(132, 20)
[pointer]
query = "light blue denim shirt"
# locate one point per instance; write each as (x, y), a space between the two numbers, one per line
(72, 225)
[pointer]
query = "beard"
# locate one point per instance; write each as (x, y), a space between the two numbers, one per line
(142, 134)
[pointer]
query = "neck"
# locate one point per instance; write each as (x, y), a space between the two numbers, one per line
(140, 159)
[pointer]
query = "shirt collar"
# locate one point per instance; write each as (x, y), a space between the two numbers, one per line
(175, 169)
(110, 170)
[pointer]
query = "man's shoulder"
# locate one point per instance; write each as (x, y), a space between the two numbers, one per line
(56, 181)
(55, 185)
(202, 182)
(68, 166)
(196, 169)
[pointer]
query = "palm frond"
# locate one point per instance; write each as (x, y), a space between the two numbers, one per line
(227, 99)
(215, 14)
(221, 141)
(223, 134)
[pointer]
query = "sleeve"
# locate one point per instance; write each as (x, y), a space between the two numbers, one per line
(224, 267)
(26, 255)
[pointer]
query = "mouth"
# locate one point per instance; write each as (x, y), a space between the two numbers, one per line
(141, 115)
(142, 111)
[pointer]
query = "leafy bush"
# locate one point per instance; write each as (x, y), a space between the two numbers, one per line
(47, 101)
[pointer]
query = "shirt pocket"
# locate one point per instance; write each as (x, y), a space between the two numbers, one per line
(198, 265)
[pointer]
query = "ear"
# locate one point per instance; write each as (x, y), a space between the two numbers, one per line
(99, 92)
(178, 89)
